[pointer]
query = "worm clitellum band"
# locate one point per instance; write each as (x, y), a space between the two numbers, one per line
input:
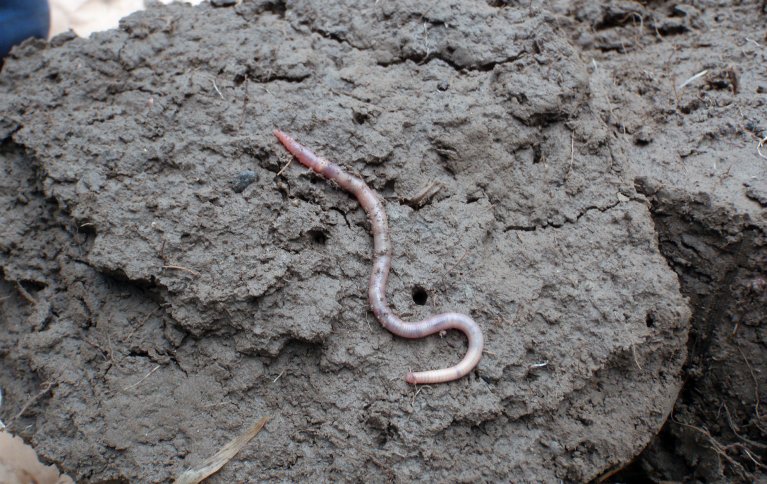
(382, 251)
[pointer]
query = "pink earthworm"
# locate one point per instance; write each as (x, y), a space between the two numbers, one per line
(382, 255)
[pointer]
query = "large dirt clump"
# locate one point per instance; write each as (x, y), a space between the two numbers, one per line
(168, 277)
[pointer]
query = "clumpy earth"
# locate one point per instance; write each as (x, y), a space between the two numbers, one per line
(169, 276)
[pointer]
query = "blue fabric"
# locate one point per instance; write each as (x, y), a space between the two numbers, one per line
(21, 19)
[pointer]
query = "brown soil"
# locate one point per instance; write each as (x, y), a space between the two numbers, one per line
(167, 280)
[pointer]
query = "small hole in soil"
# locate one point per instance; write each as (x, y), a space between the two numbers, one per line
(650, 321)
(360, 117)
(32, 285)
(318, 237)
(420, 296)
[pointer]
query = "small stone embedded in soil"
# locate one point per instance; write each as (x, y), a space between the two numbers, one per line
(223, 3)
(643, 136)
(243, 180)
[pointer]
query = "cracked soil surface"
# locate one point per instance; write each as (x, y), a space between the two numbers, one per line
(169, 277)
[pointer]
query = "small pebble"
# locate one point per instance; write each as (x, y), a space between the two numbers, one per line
(223, 3)
(643, 136)
(243, 180)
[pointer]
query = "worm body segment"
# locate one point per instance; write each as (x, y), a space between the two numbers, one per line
(382, 255)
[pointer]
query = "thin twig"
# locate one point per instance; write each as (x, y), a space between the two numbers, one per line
(610, 473)
(96, 345)
(417, 391)
(290, 160)
(759, 147)
(572, 155)
(634, 353)
(182, 268)
(693, 78)
(718, 448)
(753, 459)
(744, 439)
(26, 295)
(111, 348)
(424, 195)
(756, 383)
(46, 386)
(244, 101)
(140, 324)
(144, 378)
(217, 90)
(278, 376)
(452, 268)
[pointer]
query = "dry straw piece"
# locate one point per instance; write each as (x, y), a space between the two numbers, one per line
(217, 460)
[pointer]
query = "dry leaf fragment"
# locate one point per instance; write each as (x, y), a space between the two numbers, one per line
(217, 460)
(19, 464)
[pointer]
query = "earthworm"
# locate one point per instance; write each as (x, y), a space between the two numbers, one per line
(382, 255)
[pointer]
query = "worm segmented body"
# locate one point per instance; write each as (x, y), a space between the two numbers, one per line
(382, 253)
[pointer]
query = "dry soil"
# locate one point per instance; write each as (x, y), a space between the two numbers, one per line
(168, 277)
